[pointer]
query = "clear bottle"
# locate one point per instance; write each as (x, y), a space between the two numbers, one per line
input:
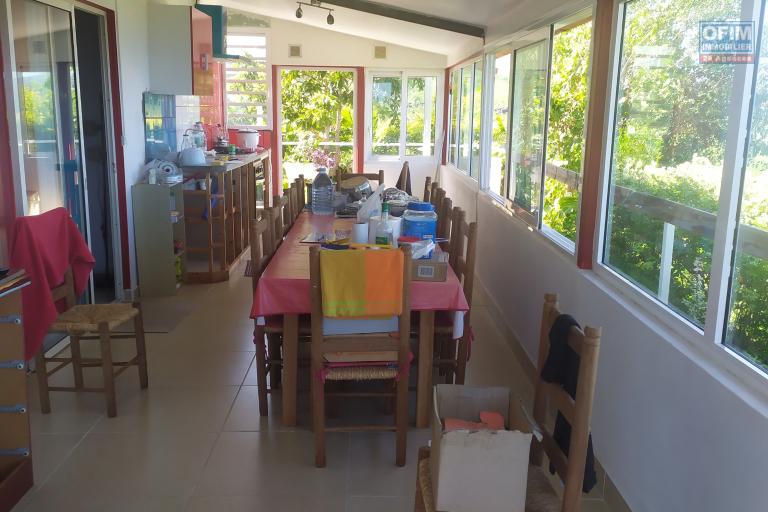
(384, 230)
(322, 193)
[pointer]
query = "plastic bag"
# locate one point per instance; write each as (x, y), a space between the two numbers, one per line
(371, 207)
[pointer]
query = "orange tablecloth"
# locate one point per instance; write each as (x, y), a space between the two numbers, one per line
(284, 286)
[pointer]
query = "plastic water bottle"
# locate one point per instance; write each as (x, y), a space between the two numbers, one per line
(322, 193)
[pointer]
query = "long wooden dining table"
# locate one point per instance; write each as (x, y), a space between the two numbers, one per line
(284, 290)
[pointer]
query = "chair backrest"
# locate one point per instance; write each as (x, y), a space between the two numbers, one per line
(433, 192)
(66, 290)
(578, 411)
(444, 214)
(275, 216)
(372, 342)
(427, 189)
(301, 194)
(437, 198)
(462, 253)
(261, 246)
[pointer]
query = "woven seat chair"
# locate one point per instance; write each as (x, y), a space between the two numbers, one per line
(378, 177)
(91, 322)
(267, 338)
(369, 343)
(542, 497)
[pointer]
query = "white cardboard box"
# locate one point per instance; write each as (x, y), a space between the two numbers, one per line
(479, 471)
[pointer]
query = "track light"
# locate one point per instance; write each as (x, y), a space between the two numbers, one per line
(315, 3)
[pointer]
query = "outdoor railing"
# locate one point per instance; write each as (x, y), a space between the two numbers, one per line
(751, 240)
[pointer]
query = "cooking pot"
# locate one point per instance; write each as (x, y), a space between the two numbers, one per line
(247, 139)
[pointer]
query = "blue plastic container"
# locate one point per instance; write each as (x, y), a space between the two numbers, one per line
(420, 221)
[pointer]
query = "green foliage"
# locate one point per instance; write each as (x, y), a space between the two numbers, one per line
(317, 107)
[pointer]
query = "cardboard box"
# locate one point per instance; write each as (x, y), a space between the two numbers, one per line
(479, 471)
(433, 269)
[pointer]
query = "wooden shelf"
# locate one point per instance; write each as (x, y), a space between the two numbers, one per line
(15, 469)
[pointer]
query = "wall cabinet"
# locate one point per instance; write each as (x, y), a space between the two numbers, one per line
(180, 50)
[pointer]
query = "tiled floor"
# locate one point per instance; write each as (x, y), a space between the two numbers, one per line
(194, 441)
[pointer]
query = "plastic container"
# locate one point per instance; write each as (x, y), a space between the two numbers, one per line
(322, 193)
(420, 221)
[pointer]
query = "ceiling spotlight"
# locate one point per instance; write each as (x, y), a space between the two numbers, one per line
(330, 19)
(299, 12)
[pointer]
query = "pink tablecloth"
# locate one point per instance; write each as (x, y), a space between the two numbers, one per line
(284, 286)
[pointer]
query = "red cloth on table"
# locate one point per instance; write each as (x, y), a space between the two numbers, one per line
(46, 246)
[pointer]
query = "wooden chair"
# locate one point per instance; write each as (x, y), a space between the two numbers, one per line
(301, 194)
(281, 218)
(541, 497)
(269, 361)
(444, 217)
(376, 342)
(427, 189)
(91, 322)
(462, 258)
(433, 193)
(378, 177)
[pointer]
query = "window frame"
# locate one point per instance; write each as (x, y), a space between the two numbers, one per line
(404, 75)
(458, 68)
(246, 31)
(707, 341)
(544, 33)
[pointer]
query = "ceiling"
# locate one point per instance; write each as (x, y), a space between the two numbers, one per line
(477, 12)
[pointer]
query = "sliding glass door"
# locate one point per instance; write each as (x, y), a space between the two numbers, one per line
(47, 101)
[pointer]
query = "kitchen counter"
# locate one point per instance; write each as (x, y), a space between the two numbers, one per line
(244, 159)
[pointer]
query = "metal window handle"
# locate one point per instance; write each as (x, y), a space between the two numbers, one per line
(10, 319)
(15, 364)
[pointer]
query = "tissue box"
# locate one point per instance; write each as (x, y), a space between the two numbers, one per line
(479, 471)
(432, 269)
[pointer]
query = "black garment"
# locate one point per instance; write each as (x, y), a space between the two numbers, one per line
(562, 367)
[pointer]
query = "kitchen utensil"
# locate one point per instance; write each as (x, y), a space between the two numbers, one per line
(247, 138)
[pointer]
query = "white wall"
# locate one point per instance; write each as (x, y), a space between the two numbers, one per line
(670, 435)
(328, 48)
(131, 16)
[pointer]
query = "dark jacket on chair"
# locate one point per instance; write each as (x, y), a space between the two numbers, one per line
(562, 367)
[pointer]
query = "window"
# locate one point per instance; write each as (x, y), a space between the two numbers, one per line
(500, 122)
(671, 118)
(747, 317)
(565, 131)
(529, 98)
(453, 130)
(403, 114)
(540, 91)
(465, 122)
(686, 218)
(247, 82)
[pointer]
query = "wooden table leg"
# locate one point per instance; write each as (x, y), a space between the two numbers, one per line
(290, 365)
(424, 386)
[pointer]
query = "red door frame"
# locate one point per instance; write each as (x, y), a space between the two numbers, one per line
(8, 201)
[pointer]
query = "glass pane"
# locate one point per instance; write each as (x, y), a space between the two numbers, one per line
(669, 140)
(747, 329)
(45, 75)
(454, 127)
(499, 156)
(234, 40)
(465, 118)
(529, 97)
(420, 116)
(317, 121)
(565, 133)
(477, 117)
(385, 115)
